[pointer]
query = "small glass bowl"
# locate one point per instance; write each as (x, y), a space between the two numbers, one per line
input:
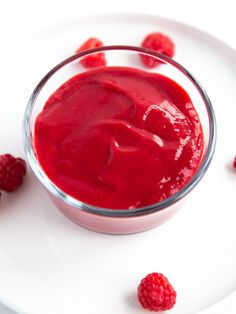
(115, 221)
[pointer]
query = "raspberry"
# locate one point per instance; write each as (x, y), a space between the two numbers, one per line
(234, 163)
(12, 171)
(159, 43)
(94, 60)
(155, 293)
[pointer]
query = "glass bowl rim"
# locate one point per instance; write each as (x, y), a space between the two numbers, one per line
(51, 187)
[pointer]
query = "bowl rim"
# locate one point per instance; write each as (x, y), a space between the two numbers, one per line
(51, 187)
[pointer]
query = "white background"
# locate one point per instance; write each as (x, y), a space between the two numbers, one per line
(18, 19)
(21, 18)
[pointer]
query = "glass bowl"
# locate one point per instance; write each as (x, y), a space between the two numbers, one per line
(115, 221)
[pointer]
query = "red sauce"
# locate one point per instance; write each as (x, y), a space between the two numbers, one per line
(118, 137)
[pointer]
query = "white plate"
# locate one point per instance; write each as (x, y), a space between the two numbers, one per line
(48, 265)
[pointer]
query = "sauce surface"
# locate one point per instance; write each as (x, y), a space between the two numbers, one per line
(119, 138)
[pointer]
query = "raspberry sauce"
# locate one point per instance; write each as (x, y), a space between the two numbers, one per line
(119, 137)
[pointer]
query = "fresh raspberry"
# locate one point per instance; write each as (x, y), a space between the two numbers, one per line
(12, 171)
(155, 293)
(234, 163)
(94, 60)
(159, 43)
